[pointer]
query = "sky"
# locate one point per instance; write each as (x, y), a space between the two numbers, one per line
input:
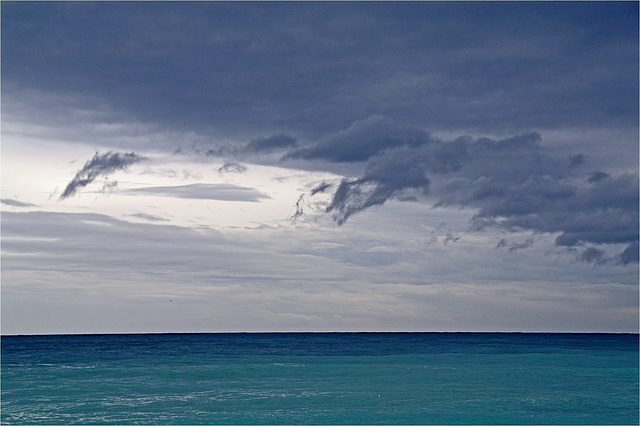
(250, 167)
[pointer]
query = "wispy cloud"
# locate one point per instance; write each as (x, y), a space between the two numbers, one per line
(232, 167)
(149, 217)
(204, 191)
(513, 246)
(306, 201)
(16, 203)
(100, 165)
(320, 188)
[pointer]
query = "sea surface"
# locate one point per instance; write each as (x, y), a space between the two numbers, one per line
(320, 378)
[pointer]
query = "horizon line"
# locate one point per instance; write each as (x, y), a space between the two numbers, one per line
(312, 332)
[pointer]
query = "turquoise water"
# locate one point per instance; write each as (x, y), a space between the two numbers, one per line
(333, 378)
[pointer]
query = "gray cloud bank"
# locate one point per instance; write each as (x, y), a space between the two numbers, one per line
(362, 140)
(310, 67)
(514, 183)
(99, 165)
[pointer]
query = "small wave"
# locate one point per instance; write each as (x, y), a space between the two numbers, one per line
(77, 367)
(439, 367)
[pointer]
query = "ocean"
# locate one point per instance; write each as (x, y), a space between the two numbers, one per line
(320, 378)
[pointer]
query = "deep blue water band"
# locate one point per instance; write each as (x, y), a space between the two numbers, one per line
(321, 378)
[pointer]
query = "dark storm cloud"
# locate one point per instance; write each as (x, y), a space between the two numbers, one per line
(100, 165)
(202, 191)
(361, 141)
(393, 171)
(513, 183)
(312, 67)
